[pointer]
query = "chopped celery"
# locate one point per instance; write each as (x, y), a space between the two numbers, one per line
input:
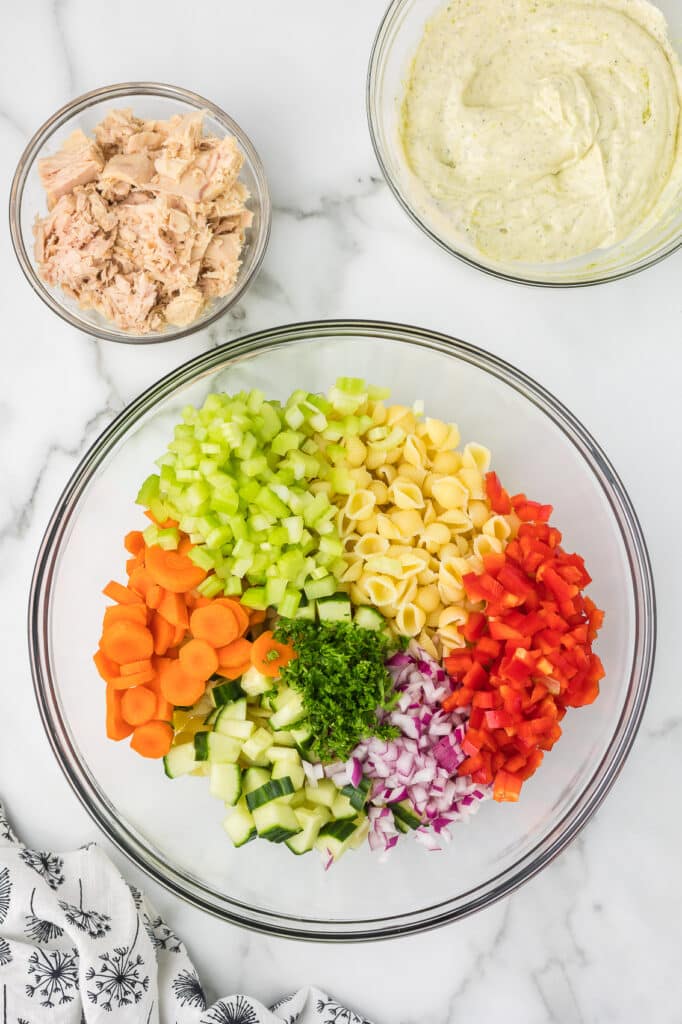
(288, 605)
(211, 586)
(254, 597)
(320, 588)
(168, 539)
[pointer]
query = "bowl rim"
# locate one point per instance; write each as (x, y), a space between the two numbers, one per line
(391, 14)
(61, 117)
(179, 882)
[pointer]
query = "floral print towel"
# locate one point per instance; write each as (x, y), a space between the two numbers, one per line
(80, 946)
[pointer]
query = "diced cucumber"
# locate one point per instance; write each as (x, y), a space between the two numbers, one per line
(358, 794)
(253, 683)
(290, 714)
(276, 822)
(211, 717)
(238, 730)
(289, 754)
(254, 778)
(306, 612)
(240, 825)
(284, 769)
(271, 790)
(179, 760)
(296, 799)
(234, 711)
(254, 748)
(211, 746)
(301, 735)
(285, 738)
(334, 609)
(335, 837)
(324, 793)
(360, 835)
(367, 617)
(342, 808)
(224, 692)
(226, 783)
(406, 813)
(311, 821)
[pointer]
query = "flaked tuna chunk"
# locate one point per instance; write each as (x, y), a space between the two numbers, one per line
(185, 307)
(117, 128)
(78, 162)
(147, 223)
(221, 262)
(129, 300)
(133, 168)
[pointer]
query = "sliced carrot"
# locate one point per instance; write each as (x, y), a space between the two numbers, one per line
(173, 571)
(129, 612)
(215, 623)
(173, 609)
(162, 632)
(116, 726)
(127, 641)
(141, 581)
(236, 653)
(235, 671)
(179, 635)
(185, 546)
(153, 739)
(269, 656)
(144, 665)
(198, 659)
(153, 596)
(134, 542)
(134, 563)
(122, 595)
(136, 679)
(138, 705)
(256, 617)
(240, 613)
(177, 687)
(164, 709)
(107, 668)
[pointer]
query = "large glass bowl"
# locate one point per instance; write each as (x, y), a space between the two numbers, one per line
(172, 829)
(394, 48)
(147, 100)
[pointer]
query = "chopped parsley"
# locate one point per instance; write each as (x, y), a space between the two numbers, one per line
(341, 673)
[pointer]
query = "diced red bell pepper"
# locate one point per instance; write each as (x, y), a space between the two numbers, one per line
(476, 678)
(499, 719)
(499, 499)
(470, 765)
(474, 626)
(458, 662)
(487, 649)
(507, 786)
(487, 699)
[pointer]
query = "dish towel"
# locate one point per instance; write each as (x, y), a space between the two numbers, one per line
(78, 945)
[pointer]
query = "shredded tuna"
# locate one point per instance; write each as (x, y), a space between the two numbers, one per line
(146, 221)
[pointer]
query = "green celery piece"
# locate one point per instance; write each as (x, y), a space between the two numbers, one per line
(255, 598)
(149, 490)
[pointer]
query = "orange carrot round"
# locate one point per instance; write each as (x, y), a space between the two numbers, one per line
(236, 653)
(269, 656)
(134, 542)
(153, 596)
(163, 634)
(176, 686)
(214, 623)
(130, 612)
(234, 671)
(138, 705)
(135, 679)
(173, 571)
(117, 727)
(240, 613)
(256, 617)
(153, 739)
(107, 668)
(122, 595)
(133, 667)
(127, 641)
(198, 659)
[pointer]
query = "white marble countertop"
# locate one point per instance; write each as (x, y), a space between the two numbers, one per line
(597, 936)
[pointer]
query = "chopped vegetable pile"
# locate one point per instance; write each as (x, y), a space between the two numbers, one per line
(348, 625)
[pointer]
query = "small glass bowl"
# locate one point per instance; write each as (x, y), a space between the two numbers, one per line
(394, 48)
(147, 100)
(173, 829)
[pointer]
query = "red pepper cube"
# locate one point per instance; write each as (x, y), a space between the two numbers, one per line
(499, 499)
(476, 678)
(486, 699)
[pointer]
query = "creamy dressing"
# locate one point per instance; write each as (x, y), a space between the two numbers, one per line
(545, 129)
